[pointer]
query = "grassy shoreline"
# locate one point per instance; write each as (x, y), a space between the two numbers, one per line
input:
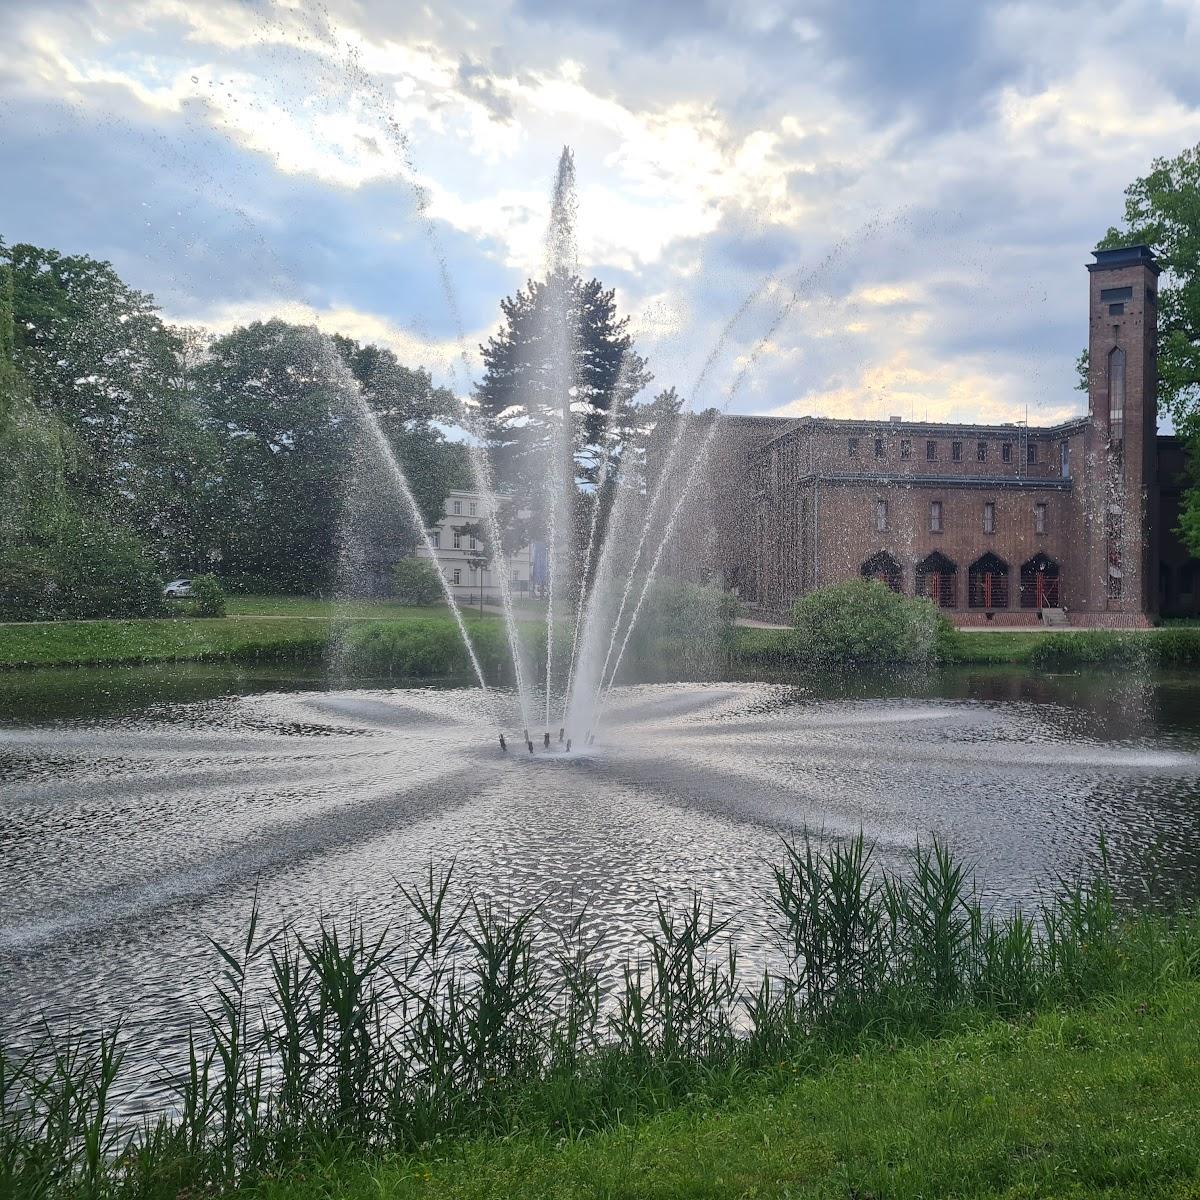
(1102, 1101)
(424, 642)
(473, 1050)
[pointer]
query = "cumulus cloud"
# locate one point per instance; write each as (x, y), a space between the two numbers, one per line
(927, 178)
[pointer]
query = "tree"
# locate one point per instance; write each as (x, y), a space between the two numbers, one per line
(411, 413)
(1162, 211)
(282, 416)
(99, 360)
(520, 397)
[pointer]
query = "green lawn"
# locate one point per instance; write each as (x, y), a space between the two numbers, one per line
(80, 643)
(1104, 1102)
(307, 606)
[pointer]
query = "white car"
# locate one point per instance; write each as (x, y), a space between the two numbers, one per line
(178, 588)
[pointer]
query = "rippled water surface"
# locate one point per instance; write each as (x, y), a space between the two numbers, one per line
(141, 812)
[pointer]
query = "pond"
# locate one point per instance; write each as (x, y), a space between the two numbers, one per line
(144, 811)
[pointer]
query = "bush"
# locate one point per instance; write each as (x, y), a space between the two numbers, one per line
(417, 581)
(208, 597)
(93, 570)
(864, 623)
(421, 649)
(685, 625)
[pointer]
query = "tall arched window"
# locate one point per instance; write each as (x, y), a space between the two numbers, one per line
(1116, 394)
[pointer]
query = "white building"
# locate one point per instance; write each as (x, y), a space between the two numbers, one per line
(458, 554)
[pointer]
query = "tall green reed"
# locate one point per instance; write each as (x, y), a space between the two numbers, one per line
(470, 1017)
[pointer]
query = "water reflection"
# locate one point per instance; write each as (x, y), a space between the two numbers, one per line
(142, 810)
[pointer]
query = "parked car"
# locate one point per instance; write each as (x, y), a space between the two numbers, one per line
(178, 588)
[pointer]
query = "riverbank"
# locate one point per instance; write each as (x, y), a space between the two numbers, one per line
(909, 1032)
(1166, 647)
(256, 629)
(1099, 1102)
(423, 642)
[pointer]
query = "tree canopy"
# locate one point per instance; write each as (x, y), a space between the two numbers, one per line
(1162, 211)
(520, 396)
(145, 449)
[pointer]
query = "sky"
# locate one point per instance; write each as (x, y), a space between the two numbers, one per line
(840, 207)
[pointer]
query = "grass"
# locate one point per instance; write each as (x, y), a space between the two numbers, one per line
(425, 640)
(1098, 1102)
(481, 1049)
(312, 607)
(1167, 647)
(86, 643)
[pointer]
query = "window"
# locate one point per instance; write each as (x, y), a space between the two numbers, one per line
(474, 544)
(1064, 458)
(1006, 452)
(1114, 528)
(435, 538)
(989, 517)
(931, 451)
(458, 508)
(981, 451)
(935, 516)
(905, 448)
(1116, 394)
(880, 515)
(457, 575)
(1039, 518)
(956, 451)
(474, 508)
(457, 540)
(1031, 454)
(880, 449)
(852, 447)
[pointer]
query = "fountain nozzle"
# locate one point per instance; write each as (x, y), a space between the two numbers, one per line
(568, 745)
(560, 735)
(546, 740)
(503, 744)
(529, 743)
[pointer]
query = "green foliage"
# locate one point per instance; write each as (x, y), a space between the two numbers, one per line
(92, 570)
(425, 648)
(1169, 647)
(410, 413)
(527, 373)
(98, 358)
(208, 597)
(184, 639)
(684, 627)
(468, 1019)
(1162, 210)
(864, 623)
(417, 581)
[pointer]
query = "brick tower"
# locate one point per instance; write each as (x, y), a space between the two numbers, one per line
(1118, 482)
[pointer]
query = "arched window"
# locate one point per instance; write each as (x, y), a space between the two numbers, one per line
(937, 580)
(987, 583)
(1041, 583)
(1116, 394)
(885, 568)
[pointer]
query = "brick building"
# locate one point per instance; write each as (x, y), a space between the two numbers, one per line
(995, 523)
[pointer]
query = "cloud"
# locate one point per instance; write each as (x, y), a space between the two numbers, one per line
(927, 177)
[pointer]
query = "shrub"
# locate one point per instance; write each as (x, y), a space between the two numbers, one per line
(421, 649)
(208, 596)
(685, 625)
(93, 570)
(863, 622)
(417, 581)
